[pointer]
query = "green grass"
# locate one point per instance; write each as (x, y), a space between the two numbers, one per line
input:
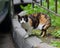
(56, 34)
(36, 32)
(56, 43)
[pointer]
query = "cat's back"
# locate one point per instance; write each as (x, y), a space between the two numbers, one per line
(43, 18)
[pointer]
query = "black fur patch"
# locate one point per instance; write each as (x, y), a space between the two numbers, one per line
(35, 21)
(25, 18)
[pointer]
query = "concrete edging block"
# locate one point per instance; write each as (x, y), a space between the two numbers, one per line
(31, 42)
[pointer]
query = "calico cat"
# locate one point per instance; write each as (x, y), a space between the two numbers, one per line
(37, 21)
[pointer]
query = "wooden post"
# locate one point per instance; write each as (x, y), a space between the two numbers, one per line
(22, 1)
(41, 2)
(47, 4)
(55, 6)
(32, 4)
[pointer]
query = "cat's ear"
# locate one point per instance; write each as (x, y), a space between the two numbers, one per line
(26, 17)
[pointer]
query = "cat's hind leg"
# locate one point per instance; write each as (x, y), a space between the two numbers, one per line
(43, 33)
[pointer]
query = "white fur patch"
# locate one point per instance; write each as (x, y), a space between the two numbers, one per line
(26, 36)
(40, 26)
(22, 21)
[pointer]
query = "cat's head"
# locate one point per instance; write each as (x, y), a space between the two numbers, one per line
(23, 19)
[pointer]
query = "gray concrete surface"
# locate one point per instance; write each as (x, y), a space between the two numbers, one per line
(18, 33)
(31, 42)
(25, 1)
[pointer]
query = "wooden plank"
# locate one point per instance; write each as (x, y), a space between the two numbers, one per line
(55, 6)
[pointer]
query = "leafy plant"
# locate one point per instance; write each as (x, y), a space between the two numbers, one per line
(55, 43)
(54, 19)
(31, 10)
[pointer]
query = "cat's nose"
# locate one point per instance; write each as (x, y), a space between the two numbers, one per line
(22, 22)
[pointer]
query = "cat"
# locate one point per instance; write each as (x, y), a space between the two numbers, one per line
(39, 21)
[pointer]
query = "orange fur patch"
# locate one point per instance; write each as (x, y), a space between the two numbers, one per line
(42, 19)
(30, 21)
